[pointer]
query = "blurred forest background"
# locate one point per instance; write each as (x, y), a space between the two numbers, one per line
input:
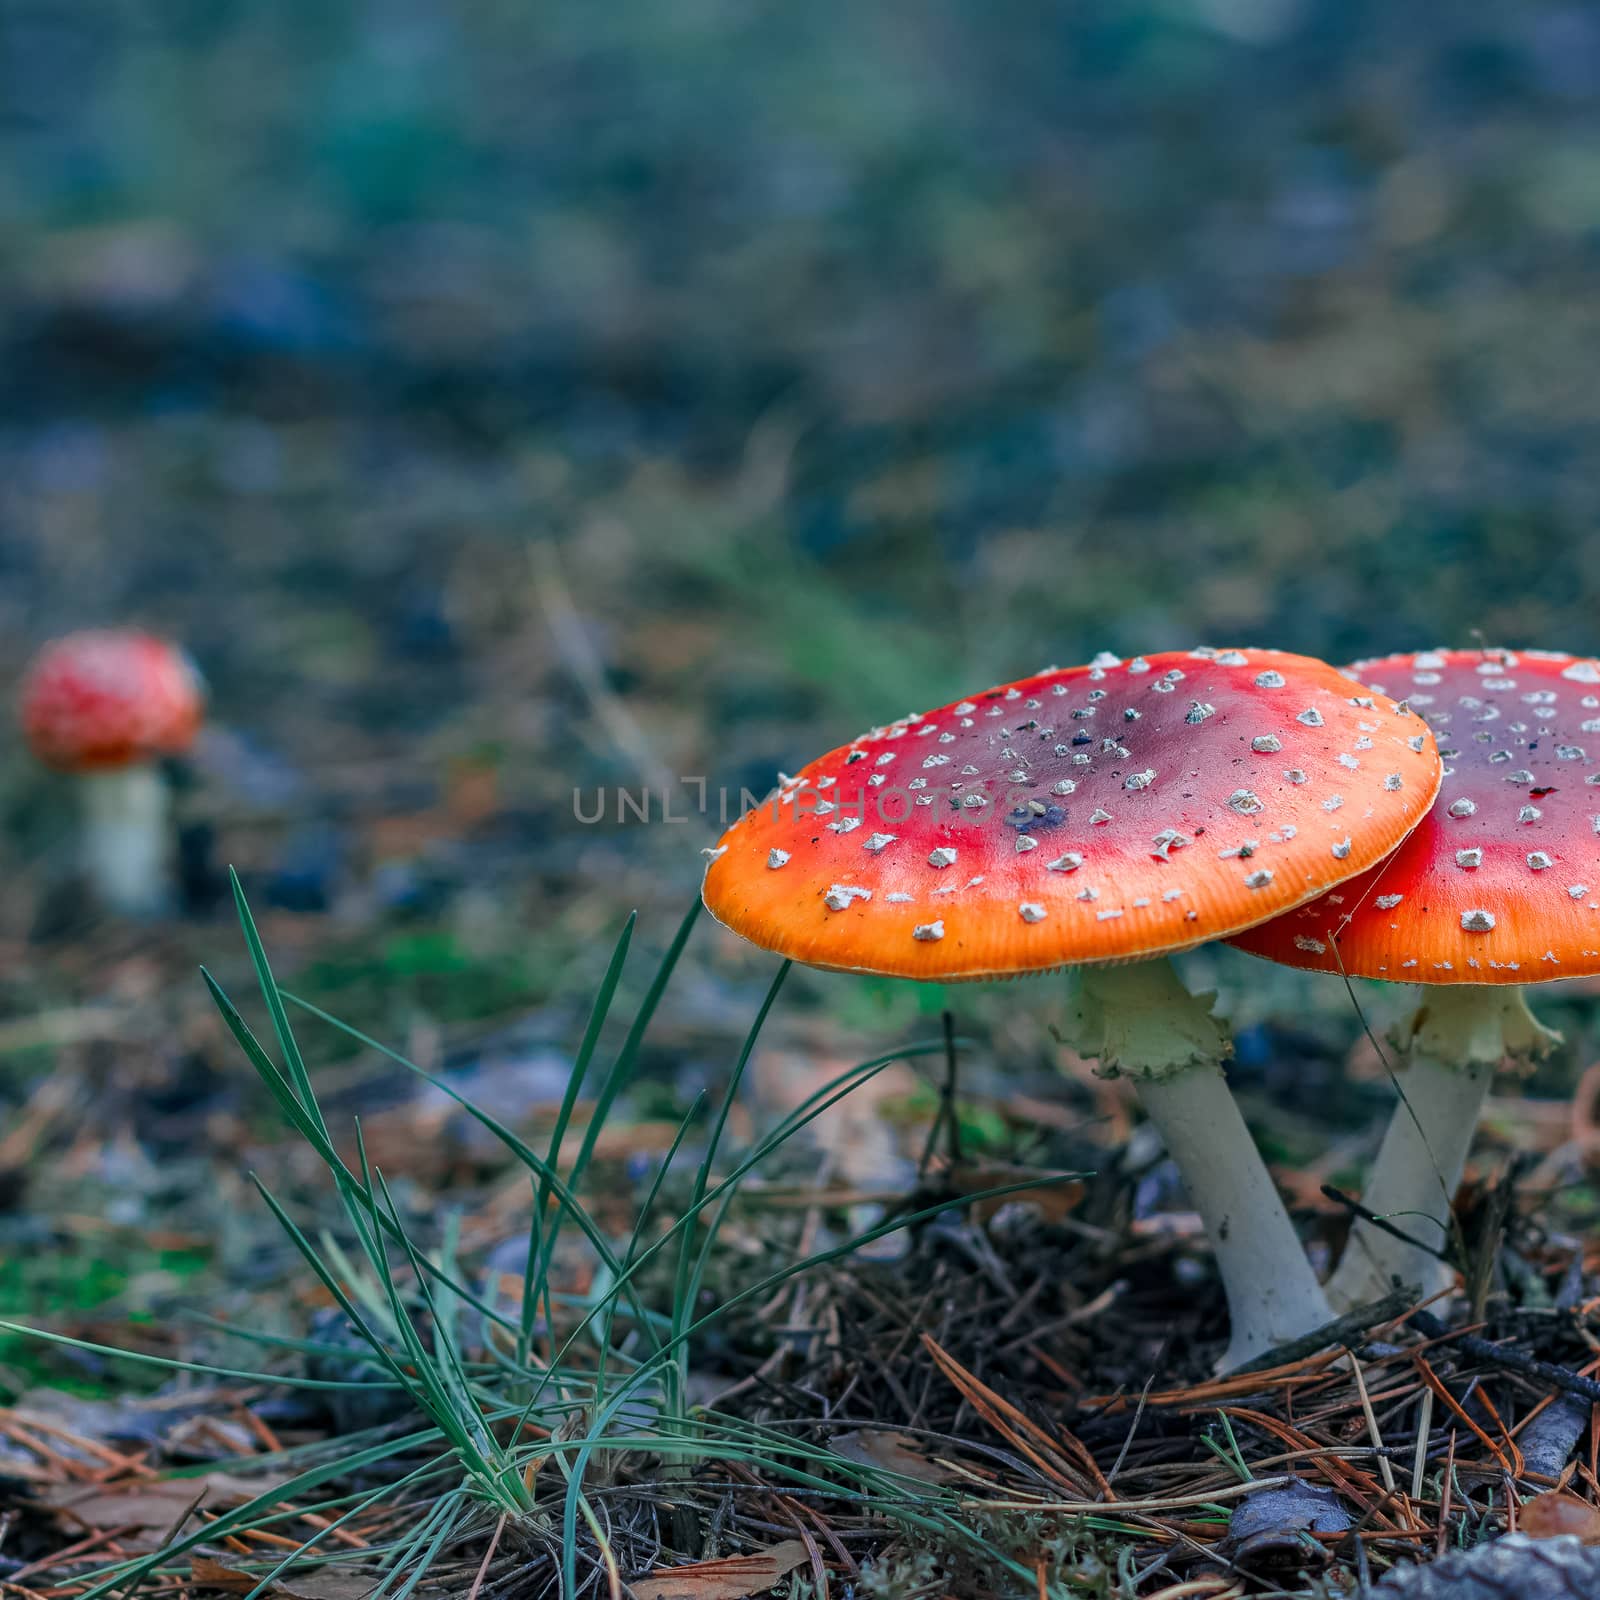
(504, 400)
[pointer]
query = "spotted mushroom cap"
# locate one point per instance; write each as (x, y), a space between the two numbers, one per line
(1083, 815)
(102, 699)
(1500, 883)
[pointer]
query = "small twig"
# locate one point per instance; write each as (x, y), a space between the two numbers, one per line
(1385, 1471)
(1082, 1508)
(1357, 1532)
(1133, 1428)
(177, 1526)
(1430, 1327)
(1355, 1207)
(1342, 1330)
(488, 1556)
(1446, 1497)
(1424, 1434)
(945, 1119)
(948, 1092)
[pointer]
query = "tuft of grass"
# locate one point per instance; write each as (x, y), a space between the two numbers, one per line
(516, 1407)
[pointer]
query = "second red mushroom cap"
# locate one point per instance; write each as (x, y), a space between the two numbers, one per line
(1500, 883)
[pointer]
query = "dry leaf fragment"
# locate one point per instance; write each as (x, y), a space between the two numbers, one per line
(863, 1144)
(1268, 1529)
(150, 1503)
(335, 1583)
(730, 1578)
(214, 1575)
(322, 1583)
(891, 1452)
(1548, 1516)
(1055, 1196)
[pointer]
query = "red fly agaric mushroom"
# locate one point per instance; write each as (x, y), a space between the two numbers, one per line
(1498, 887)
(105, 706)
(1101, 817)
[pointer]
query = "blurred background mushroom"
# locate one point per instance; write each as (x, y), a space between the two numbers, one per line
(105, 708)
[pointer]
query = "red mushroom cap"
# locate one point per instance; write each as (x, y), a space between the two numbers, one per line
(103, 699)
(1094, 814)
(1500, 883)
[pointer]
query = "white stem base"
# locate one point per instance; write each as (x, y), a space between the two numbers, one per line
(1415, 1178)
(1273, 1295)
(1457, 1039)
(125, 840)
(1140, 1019)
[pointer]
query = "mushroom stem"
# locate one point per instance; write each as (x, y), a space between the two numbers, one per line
(1141, 1020)
(1451, 1047)
(125, 840)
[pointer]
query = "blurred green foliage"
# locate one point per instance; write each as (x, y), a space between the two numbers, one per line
(453, 377)
(969, 334)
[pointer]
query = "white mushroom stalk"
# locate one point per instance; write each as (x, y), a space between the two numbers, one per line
(126, 841)
(1450, 1049)
(1142, 1021)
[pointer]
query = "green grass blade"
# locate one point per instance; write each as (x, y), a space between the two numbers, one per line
(598, 1013)
(622, 1071)
(346, 1302)
(691, 1270)
(566, 1200)
(173, 1364)
(640, 1222)
(444, 1513)
(311, 1127)
(295, 1558)
(292, 1058)
(457, 1410)
(622, 1068)
(809, 1110)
